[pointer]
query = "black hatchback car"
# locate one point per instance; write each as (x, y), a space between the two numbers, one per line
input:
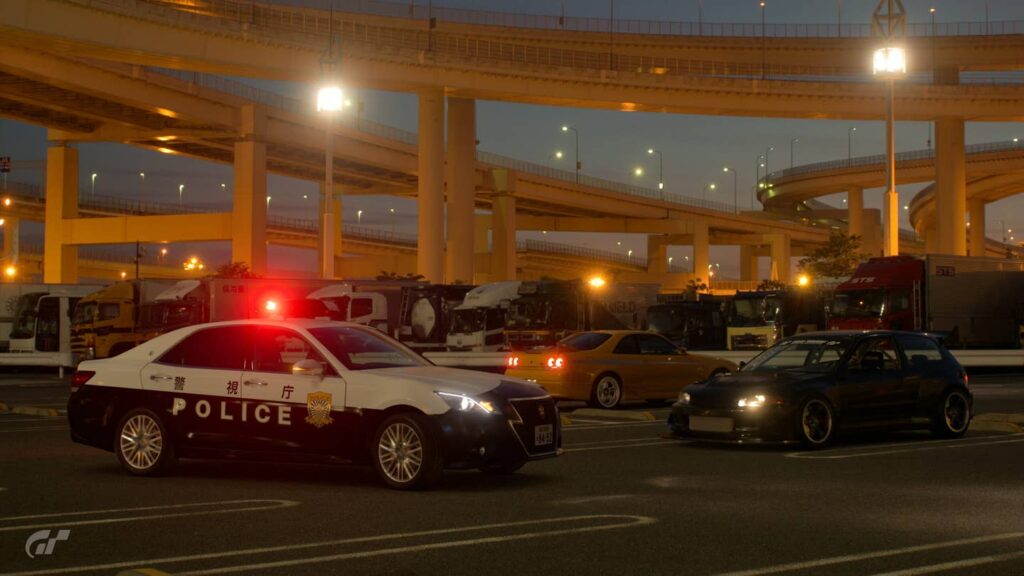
(809, 387)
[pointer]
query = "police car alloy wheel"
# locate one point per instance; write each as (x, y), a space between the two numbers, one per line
(406, 452)
(142, 444)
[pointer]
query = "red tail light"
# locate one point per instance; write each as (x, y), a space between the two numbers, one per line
(79, 378)
(556, 362)
(513, 361)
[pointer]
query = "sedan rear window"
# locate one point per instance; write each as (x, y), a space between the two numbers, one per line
(583, 341)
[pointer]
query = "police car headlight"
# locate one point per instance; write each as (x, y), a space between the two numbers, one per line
(464, 403)
(684, 397)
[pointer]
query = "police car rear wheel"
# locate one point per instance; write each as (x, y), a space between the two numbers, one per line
(142, 444)
(406, 452)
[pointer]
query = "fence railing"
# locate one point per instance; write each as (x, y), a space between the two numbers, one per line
(580, 251)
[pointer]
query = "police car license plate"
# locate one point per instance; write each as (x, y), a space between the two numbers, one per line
(543, 435)
(710, 424)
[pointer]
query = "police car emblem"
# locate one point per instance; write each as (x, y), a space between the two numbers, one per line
(318, 404)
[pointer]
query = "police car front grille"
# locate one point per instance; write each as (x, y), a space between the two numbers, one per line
(533, 412)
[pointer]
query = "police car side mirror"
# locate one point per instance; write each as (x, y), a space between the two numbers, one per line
(308, 367)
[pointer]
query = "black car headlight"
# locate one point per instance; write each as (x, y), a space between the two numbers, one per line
(463, 403)
(752, 401)
(684, 398)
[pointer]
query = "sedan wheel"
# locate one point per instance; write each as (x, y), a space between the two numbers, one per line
(142, 445)
(954, 415)
(816, 425)
(406, 453)
(607, 392)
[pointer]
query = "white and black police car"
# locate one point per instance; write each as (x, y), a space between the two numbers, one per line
(306, 390)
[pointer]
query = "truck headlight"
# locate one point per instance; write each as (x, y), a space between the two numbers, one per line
(755, 401)
(684, 397)
(464, 403)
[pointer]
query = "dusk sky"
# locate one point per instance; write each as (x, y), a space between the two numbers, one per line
(613, 143)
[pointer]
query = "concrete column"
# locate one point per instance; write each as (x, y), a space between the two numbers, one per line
(780, 254)
(748, 263)
(931, 239)
(701, 250)
(60, 261)
(950, 186)
(249, 203)
(503, 236)
(855, 210)
(657, 254)
(461, 176)
(977, 230)
(430, 233)
(12, 232)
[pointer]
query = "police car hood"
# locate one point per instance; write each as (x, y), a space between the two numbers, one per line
(469, 382)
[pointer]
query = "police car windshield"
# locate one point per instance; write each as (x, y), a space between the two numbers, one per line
(365, 349)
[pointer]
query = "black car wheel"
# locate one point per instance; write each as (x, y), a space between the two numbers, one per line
(607, 392)
(406, 452)
(815, 426)
(142, 445)
(953, 415)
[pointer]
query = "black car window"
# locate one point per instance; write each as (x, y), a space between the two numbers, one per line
(653, 344)
(583, 341)
(222, 348)
(920, 351)
(874, 354)
(277, 349)
(627, 345)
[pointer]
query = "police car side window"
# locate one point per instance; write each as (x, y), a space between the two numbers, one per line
(278, 349)
(218, 348)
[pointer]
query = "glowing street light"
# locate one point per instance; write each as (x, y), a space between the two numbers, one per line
(558, 154)
(10, 272)
(597, 282)
(711, 187)
(92, 189)
(330, 100)
(803, 280)
(735, 189)
(181, 188)
(638, 171)
(661, 167)
(359, 216)
(890, 64)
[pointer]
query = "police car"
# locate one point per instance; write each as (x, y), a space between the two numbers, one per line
(306, 390)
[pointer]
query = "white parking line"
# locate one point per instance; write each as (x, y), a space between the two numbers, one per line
(946, 566)
(849, 558)
(55, 517)
(36, 419)
(605, 426)
(616, 441)
(616, 444)
(623, 521)
(33, 429)
(909, 447)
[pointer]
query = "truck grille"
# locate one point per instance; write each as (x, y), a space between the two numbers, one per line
(528, 413)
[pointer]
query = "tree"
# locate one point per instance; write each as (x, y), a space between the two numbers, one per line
(837, 258)
(694, 286)
(771, 285)
(394, 276)
(234, 270)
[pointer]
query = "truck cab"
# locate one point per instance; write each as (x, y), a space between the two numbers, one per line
(759, 319)
(478, 324)
(883, 293)
(103, 324)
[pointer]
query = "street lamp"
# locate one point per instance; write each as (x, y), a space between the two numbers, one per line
(92, 189)
(638, 171)
(706, 188)
(392, 211)
(849, 145)
(181, 188)
(769, 149)
(791, 145)
(143, 176)
(890, 63)
(359, 216)
(268, 202)
(329, 100)
(661, 167)
(735, 188)
(566, 128)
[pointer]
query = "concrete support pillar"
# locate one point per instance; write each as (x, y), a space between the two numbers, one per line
(855, 210)
(976, 245)
(748, 263)
(461, 176)
(249, 203)
(334, 212)
(780, 254)
(430, 234)
(657, 254)
(503, 236)
(950, 186)
(701, 250)
(931, 239)
(60, 261)
(12, 232)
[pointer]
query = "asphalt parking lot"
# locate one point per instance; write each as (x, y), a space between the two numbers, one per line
(620, 500)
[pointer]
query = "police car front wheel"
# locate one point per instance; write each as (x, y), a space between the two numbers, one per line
(142, 444)
(407, 452)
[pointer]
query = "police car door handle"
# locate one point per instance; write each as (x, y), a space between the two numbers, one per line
(161, 378)
(254, 383)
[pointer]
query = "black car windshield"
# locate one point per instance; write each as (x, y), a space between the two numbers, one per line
(583, 341)
(800, 354)
(365, 348)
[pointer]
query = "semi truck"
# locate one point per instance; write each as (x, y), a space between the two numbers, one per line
(975, 302)
(426, 315)
(547, 311)
(41, 326)
(758, 319)
(694, 324)
(478, 324)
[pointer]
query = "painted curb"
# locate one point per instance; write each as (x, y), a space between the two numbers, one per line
(143, 572)
(29, 410)
(1000, 417)
(990, 426)
(615, 414)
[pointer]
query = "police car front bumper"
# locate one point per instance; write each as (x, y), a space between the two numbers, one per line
(526, 429)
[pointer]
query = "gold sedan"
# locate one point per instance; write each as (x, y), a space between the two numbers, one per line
(608, 367)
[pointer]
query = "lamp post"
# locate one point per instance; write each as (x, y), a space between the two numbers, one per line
(392, 211)
(735, 190)
(764, 43)
(766, 152)
(792, 144)
(890, 63)
(704, 196)
(143, 176)
(849, 145)
(181, 188)
(661, 167)
(359, 216)
(576, 132)
(758, 184)
(330, 99)
(92, 188)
